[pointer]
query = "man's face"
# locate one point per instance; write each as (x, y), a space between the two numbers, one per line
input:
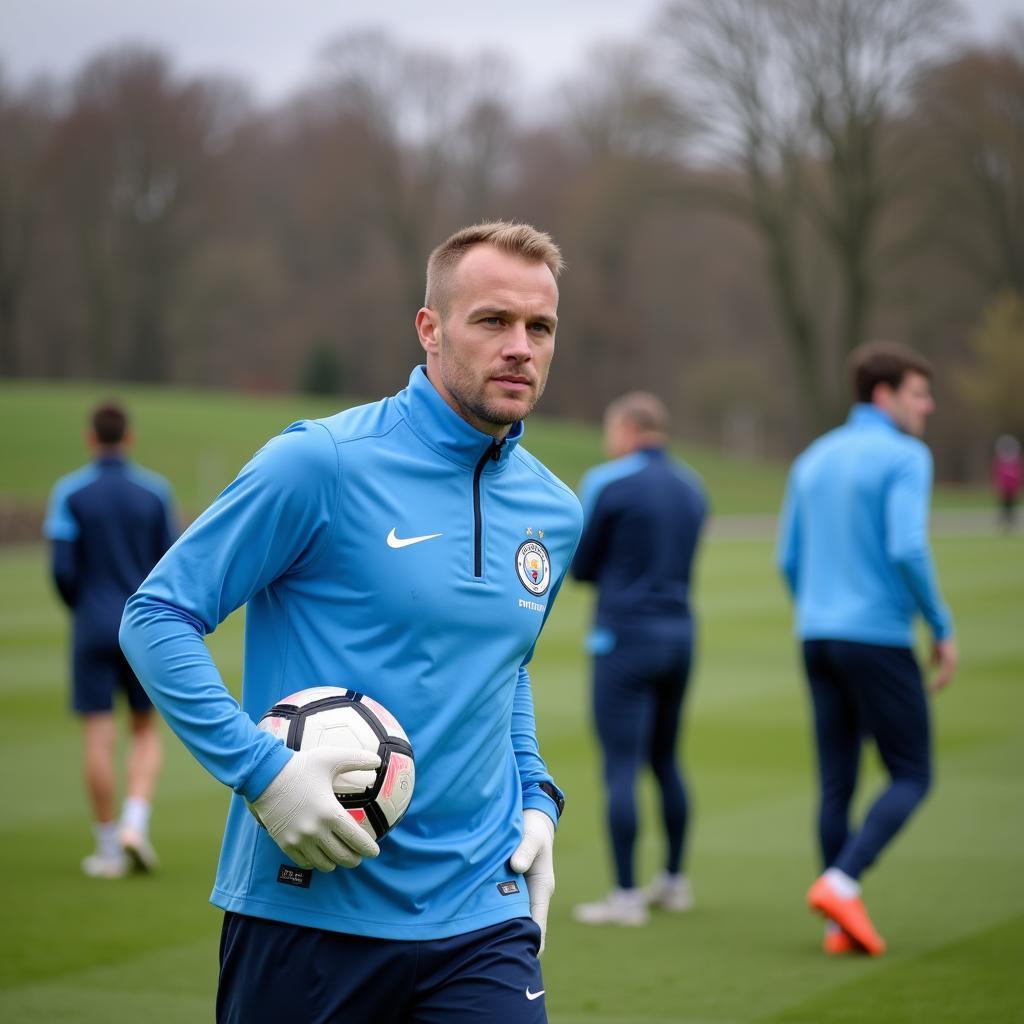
(489, 355)
(910, 404)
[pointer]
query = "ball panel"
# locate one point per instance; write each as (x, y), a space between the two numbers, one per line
(384, 716)
(314, 693)
(276, 725)
(397, 786)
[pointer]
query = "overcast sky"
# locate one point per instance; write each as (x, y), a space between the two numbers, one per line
(273, 44)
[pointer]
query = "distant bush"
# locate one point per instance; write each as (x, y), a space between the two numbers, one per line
(324, 372)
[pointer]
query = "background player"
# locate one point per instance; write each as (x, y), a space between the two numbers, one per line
(108, 523)
(853, 547)
(644, 513)
(410, 548)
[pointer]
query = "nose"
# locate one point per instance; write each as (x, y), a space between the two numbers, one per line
(517, 343)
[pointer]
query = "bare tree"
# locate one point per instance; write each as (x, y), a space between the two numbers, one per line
(969, 117)
(128, 158)
(796, 95)
(25, 124)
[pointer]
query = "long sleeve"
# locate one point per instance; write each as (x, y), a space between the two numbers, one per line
(590, 551)
(532, 769)
(906, 524)
(61, 528)
(64, 568)
(273, 519)
(787, 550)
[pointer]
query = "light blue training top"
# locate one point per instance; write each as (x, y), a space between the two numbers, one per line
(853, 536)
(395, 550)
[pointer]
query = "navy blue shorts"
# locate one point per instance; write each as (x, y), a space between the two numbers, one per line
(97, 673)
(272, 972)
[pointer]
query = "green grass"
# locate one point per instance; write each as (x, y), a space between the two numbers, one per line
(199, 440)
(948, 896)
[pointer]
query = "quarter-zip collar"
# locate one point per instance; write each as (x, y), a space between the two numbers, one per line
(867, 414)
(440, 427)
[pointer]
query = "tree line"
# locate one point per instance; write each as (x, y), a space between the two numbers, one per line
(742, 195)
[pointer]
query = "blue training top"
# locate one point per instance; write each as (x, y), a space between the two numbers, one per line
(109, 522)
(643, 518)
(396, 550)
(853, 536)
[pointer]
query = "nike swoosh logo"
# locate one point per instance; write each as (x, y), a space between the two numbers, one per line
(533, 995)
(404, 542)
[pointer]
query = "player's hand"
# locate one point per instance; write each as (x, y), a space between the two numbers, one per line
(945, 656)
(533, 858)
(303, 816)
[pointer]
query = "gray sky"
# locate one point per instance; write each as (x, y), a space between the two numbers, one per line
(272, 44)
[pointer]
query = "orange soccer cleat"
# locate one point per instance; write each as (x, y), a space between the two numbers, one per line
(837, 942)
(850, 914)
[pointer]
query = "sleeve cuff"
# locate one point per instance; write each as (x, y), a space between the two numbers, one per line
(265, 772)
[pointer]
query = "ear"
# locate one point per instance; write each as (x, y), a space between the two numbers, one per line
(881, 395)
(428, 329)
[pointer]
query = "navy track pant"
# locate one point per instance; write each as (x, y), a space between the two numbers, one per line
(637, 702)
(859, 691)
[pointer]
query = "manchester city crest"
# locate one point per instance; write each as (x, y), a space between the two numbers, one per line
(533, 566)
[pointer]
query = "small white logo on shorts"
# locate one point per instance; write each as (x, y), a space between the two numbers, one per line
(533, 995)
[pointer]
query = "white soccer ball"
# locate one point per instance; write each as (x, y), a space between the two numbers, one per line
(330, 716)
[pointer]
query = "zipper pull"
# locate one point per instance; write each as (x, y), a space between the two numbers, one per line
(496, 449)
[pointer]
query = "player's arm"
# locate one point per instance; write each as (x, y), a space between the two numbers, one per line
(543, 801)
(61, 529)
(906, 537)
(64, 569)
(542, 804)
(589, 554)
(787, 547)
(273, 519)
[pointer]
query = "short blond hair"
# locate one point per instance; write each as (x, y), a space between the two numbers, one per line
(645, 411)
(517, 239)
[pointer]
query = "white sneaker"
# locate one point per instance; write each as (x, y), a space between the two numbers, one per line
(138, 850)
(98, 866)
(621, 906)
(670, 892)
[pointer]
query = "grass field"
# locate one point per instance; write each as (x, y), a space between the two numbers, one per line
(46, 422)
(949, 896)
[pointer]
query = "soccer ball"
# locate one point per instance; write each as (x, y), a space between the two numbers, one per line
(330, 716)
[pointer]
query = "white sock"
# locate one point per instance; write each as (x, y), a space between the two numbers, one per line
(107, 845)
(135, 814)
(633, 895)
(845, 886)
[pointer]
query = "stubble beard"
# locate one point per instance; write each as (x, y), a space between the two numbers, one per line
(470, 398)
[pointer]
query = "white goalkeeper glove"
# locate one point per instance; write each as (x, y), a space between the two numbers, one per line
(533, 858)
(302, 815)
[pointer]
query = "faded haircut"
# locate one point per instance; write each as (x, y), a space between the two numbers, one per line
(516, 239)
(645, 411)
(109, 423)
(884, 362)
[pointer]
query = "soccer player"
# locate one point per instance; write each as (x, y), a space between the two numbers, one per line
(410, 549)
(108, 523)
(643, 517)
(853, 548)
